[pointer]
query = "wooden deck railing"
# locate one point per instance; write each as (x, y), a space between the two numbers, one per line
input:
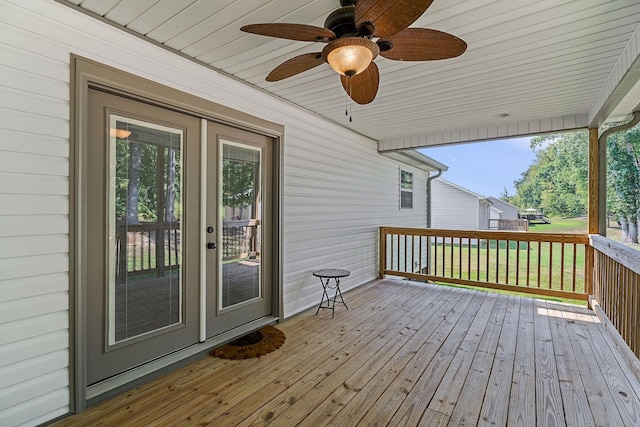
(145, 248)
(240, 238)
(616, 280)
(536, 263)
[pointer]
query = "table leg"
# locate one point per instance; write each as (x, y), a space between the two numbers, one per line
(324, 293)
(325, 286)
(339, 292)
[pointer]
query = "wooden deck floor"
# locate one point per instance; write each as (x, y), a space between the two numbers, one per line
(404, 354)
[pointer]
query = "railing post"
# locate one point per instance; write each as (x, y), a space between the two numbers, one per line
(596, 163)
(160, 248)
(588, 272)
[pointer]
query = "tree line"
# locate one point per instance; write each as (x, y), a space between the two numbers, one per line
(557, 180)
(148, 183)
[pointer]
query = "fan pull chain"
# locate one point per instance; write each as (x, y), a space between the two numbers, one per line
(349, 86)
(346, 104)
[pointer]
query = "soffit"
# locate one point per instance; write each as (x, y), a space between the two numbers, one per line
(531, 60)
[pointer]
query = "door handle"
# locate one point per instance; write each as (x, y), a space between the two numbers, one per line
(211, 245)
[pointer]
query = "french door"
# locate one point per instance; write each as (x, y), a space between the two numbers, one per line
(238, 275)
(156, 281)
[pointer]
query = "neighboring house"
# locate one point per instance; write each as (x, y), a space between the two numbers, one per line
(509, 211)
(456, 208)
(495, 213)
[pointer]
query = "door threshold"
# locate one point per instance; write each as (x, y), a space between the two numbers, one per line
(134, 377)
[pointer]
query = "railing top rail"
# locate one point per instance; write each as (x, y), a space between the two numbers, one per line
(491, 235)
(148, 226)
(620, 253)
(241, 223)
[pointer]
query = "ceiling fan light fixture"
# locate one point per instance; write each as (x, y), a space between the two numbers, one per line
(119, 133)
(350, 55)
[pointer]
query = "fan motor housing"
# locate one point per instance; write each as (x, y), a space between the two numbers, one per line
(342, 22)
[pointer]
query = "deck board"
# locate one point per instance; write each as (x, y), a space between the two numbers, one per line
(405, 353)
(549, 409)
(574, 398)
(522, 399)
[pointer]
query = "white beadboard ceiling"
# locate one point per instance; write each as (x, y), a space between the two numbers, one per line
(526, 61)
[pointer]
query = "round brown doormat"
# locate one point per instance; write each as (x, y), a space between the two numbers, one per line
(256, 344)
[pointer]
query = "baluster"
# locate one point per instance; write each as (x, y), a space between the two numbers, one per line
(539, 263)
(550, 263)
(488, 245)
(562, 266)
(507, 264)
(497, 261)
(148, 250)
(518, 242)
(573, 272)
(528, 283)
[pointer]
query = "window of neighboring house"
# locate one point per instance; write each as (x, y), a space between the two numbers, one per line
(406, 189)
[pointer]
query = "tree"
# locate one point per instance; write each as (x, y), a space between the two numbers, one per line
(238, 184)
(623, 181)
(557, 180)
(147, 175)
(504, 196)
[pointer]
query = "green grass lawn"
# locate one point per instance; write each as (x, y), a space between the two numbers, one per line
(550, 264)
(578, 225)
(561, 225)
(555, 272)
(534, 266)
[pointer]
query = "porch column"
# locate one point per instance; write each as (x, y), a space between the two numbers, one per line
(597, 206)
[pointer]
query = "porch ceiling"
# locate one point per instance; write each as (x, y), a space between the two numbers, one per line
(530, 66)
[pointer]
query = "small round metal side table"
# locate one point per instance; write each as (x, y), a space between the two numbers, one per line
(325, 276)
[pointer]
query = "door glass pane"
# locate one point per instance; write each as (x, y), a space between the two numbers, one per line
(145, 245)
(241, 229)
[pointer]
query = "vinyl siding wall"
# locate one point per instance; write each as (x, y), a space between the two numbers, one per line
(453, 208)
(337, 190)
(508, 210)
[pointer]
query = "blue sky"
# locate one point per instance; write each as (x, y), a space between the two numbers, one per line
(485, 167)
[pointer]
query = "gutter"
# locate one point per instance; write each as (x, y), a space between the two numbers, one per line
(429, 195)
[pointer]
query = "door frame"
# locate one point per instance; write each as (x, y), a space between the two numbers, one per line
(86, 73)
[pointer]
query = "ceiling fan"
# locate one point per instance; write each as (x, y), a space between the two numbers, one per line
(350, 32)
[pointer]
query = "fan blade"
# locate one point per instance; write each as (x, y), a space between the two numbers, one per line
(299, 32)
(363, 87)
(389, 17)
(295, 65)
(421, 44)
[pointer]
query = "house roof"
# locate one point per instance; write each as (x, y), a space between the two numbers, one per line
(501, 202)
(530, 67)
(480, 197)
(417, 160)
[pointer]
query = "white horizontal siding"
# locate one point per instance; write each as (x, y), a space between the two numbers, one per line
(34, 227)
(337, 194)
(337, 189)
(453, 208)
(42, 145)
(25, 288)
